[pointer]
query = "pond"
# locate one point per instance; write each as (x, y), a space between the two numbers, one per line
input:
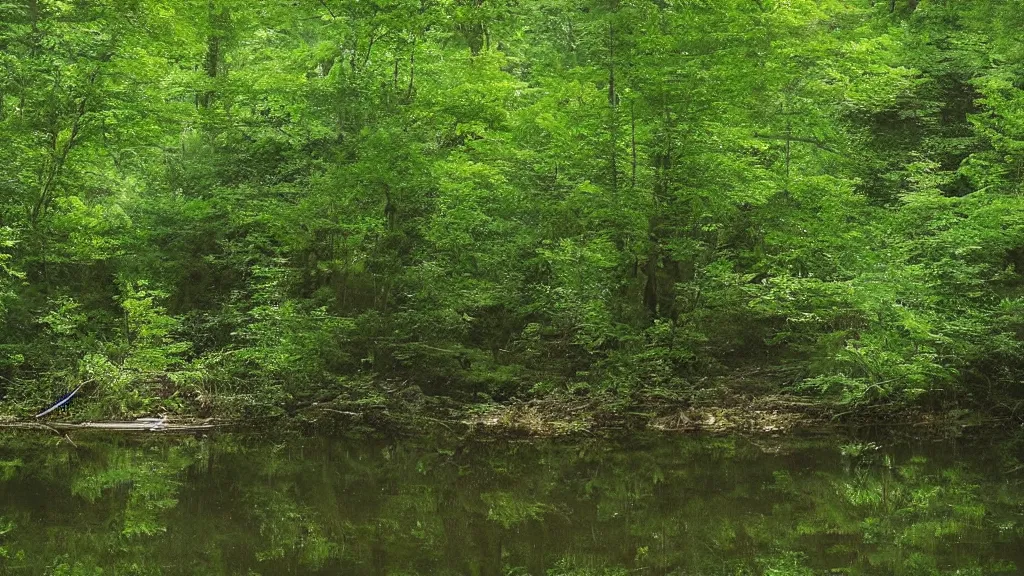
(647, 505)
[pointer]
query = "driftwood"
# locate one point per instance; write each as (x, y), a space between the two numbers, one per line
(140, 425)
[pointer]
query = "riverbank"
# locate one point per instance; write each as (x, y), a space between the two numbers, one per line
(398, 409)
(560, 416)
(725, 414)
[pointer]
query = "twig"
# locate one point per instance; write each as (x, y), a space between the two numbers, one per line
(341, 412)
(329, 11)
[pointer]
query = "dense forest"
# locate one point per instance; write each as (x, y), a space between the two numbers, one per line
(214, 204)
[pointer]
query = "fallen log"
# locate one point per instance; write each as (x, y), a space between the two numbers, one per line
(140, 425)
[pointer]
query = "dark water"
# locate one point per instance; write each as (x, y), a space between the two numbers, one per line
(646, 505)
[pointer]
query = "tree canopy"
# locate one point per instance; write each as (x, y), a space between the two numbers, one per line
(265, 202)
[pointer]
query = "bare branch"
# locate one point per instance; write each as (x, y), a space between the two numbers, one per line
(328, 8)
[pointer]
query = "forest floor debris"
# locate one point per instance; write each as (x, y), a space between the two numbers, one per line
(556, 416)
(399, 408)
(760, 415)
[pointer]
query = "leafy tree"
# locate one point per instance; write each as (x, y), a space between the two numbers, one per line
(510, 199)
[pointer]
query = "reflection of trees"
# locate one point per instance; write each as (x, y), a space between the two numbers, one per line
(233, 505)
(97, 504)
(904, 518)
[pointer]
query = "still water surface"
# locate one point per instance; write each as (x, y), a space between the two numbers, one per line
(648, 505)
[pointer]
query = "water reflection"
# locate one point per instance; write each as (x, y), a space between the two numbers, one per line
(242, 505)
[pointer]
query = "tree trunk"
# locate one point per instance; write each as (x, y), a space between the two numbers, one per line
(651, 287)
(213, 64)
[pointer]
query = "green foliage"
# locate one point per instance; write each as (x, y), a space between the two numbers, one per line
(7, 273)
(217, 201)
(149, 340)
(791, 564)
(506, 509)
